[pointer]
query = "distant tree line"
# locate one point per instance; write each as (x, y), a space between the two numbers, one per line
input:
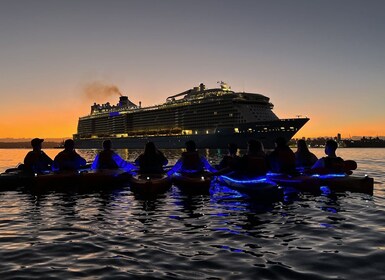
(26, 145)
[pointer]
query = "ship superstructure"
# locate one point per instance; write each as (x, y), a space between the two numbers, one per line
(211, 117)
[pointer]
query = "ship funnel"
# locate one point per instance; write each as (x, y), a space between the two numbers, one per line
(202, 87)
(123, 101)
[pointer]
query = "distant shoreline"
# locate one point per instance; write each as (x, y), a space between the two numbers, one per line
(27, 145)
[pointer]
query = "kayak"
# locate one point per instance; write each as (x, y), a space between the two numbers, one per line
(342, 182)
(149, 184)
(78, 180)
(14, 178)
(259, 187)
(334, 182)
(192, 183)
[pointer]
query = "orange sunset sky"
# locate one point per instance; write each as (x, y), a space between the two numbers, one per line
(320, 59)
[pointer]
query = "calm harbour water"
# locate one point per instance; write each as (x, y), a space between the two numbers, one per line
(223, 235)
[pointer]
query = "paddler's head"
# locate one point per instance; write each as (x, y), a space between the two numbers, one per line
(36, 143)
(107, 144)
(190, 146)
(69, 145)
(331, 147)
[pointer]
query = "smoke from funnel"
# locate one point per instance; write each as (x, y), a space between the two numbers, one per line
(98, 91)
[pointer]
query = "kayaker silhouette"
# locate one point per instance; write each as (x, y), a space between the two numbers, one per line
(36, 160)
(230, 160)
(68, 159)
(254, 162)
(304, 159)
(191, 162)
(331, 163)
(151, 161)
(108, 159)
(282, 159)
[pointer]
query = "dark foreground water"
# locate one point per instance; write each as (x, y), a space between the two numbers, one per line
(222, 235)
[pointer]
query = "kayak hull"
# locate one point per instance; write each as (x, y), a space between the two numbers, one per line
(257, 188)
(150, 184)
(192, 183)
(68, 180)
(335, 182)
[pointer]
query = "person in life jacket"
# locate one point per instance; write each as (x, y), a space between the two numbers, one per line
(282, 159)
(254, 162)
(151, 161)
(230, 160)
(191, 162)
(108, 159)
(37, 161)
(68, 159)
(304, 159)
(331, 163)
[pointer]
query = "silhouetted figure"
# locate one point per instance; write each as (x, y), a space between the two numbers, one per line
(254, 162)
(36, 160)
(331, 163)
(282, 159)
(108, 159)
(230, 160)
(68, 159)
(191, 161)
(304, 159)
(151, 161)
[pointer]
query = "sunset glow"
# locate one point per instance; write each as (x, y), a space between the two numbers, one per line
(318, 59)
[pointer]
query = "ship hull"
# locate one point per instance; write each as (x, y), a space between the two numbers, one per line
(266, 132)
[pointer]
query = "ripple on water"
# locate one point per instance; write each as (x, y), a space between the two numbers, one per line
(222, 235)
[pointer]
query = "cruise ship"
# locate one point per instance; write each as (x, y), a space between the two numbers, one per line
(213, 118)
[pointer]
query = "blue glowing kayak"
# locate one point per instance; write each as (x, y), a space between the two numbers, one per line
(334, 182)
(192, 183)
(150, 184)
(259, 187)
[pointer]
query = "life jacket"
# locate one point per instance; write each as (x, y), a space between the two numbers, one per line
(68, 160)
(305, 159)
(282, 160)
(37, 161)
(191, 161)
(228, 161)
(106, 160)
(151, 163)
(334, 164)
(254, 165)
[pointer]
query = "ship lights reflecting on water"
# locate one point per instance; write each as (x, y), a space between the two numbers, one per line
(221, 234)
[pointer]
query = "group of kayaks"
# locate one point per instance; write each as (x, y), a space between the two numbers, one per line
(271, 185)
(87, 179)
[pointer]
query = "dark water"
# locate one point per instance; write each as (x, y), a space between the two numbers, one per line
(221, 235)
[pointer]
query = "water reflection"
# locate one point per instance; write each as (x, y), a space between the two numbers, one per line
(222, 234)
